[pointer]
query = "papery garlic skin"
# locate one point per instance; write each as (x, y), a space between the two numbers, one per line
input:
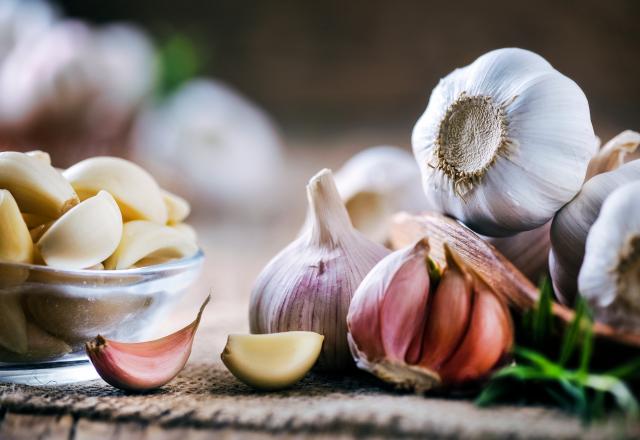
(376, 183)
(308, 286)
(415, 335)
(504, 142)
(610, 275)
(572, 224)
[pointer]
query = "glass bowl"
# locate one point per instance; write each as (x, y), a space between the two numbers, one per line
(47, 314)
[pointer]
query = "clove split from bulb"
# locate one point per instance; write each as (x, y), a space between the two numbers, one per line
(417, 335)
(143, 366)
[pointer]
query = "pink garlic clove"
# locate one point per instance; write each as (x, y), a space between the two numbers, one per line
(143, 366)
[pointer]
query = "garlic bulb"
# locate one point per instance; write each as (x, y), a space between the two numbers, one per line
(308, 285)
(376, 183)
(229, 147)
(572, 223)
(504, 142)
(410, 332)
(21, 21)
(528, 250)
(610, 275)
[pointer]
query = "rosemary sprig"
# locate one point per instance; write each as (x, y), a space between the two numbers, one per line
(566, 381)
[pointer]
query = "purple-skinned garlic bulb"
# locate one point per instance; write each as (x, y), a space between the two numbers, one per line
(308, 286)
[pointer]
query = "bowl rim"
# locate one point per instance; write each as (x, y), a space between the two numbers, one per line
(181, 263)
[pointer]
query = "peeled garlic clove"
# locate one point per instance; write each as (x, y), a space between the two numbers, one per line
(187, 230)
(135, 190)
(13, 324)
(528, 250)
(610, 275)
(142, 239)
(377, 182)
(142, 366)
(40, 155)
(572, 224)
(177, 208)
(37, 187)
(488, 338)
(15, 241)
(612, 155)
(504, 143)
(450, 327)
(272, 361)
(308, 286)
(41, 346)
(85, 235)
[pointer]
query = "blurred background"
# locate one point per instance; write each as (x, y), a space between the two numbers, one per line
(235, 104)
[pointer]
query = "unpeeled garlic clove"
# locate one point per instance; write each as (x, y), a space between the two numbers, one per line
(37, 187)
(610, 275)
(177, 208)
(143, 366)
(15, 241)
(613, 154)
(272, 361)
(377, 182)
(141, 239)
(572, 224)
(408, 334)
(308, 286)
(85, 235)
(135, 190)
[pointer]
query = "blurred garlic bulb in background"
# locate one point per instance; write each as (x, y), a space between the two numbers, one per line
(21, 21)
(504, 142)
(73, 85)
(375, 184)
(610, 275)
(572, 223)
(228, 147)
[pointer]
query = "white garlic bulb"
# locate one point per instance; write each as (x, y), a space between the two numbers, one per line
(504, 142)
(21, 21)
(572, 223)
(610, 275)
(376, 183)
(229, 148)
(308, 285)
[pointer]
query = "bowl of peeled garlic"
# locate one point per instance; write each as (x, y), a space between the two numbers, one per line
(98, 248)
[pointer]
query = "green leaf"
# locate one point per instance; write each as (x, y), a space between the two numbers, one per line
(178, 61)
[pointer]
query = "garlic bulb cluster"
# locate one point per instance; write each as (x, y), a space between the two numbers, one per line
(73, 84)
(376, 183)
(504, 142)
(227, 145)
(572, 224)
(610, 275)
(308, 286)
(103, 212)
(417, 333)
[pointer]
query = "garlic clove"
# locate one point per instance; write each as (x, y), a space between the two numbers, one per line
(377, 182)
(610, 275)
(272, 361)
(448, 315)
(85, 235)
(177, 208)
(612, 155)
(308, 286)
(141, 239)
(508, 120)
(487, 340)
(40, 155)
(135, 190)
(142, 366)
(41, 346)
(572, 224)
(186, 229)
(36, 186)
(15, 241)
(13, 324)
